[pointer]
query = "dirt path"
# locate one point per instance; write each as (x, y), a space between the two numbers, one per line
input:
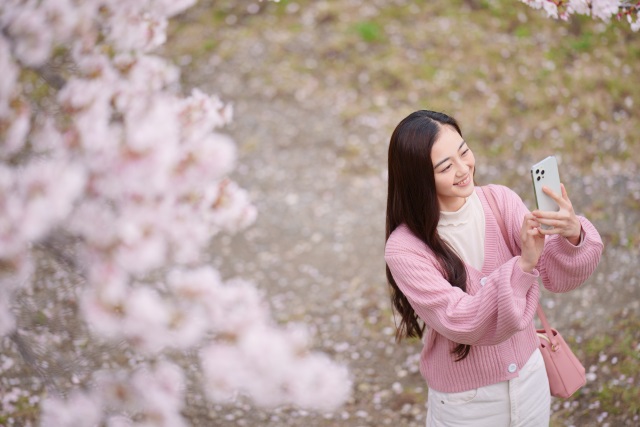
(313, 138)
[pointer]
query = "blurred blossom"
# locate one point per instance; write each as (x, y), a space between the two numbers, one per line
(77, 410)
(136, 175)
(142, 246)
(170, 382)
(15, 271)
(265, 365)
(174, 7)
(16, 126)
(223, 371)
(33, 38)
(598, 9)
(581, 7)
(93, 219)
(10, 241)
(88, 103)
(149, 121)
(635, 25)
(232, 209)
(115, 389)
(129, 178)
(205, 160)
(102, 303)
(551, 9)
(7, 321)
(604, 9)
(188, 326)
(159, 393)
(34, 199)
(83, 95)
(154, 392)
(146, 74)
(320, 383)
(119, 421)
(129, 29)
(201, 113)
(103, 316)
(46, 191)
(196, 284)
(145, 320)
(9, 77)
(188, 237)
(235, 307)
(97, 67)
(62, 17)
(45, 136)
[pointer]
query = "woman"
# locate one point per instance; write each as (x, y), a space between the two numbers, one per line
(451, 271)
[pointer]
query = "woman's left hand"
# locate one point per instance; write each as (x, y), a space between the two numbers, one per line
(564, 222)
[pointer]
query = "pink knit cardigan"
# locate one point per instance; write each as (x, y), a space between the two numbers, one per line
(496, 313)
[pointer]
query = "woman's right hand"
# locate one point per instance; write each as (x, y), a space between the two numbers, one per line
(532, 243)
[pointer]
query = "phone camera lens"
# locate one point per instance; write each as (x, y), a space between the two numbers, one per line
(537, 170)
(542, 172)
(538, 178)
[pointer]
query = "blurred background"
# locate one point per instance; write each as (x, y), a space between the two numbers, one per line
(317, 88)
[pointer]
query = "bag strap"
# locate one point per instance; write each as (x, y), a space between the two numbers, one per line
(496, 212)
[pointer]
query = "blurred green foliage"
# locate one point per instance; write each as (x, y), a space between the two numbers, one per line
(368, 31)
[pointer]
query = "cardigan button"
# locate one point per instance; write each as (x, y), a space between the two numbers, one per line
(483, 281)
(512, 368)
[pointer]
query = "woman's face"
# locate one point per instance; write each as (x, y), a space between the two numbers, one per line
(453, 166)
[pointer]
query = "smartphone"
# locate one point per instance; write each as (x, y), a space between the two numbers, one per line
(546, 173)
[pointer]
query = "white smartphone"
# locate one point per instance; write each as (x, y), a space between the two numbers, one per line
(546, 173)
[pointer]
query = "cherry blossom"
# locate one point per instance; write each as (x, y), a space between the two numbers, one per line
(599, 9)
(133, 175)
(77, 410)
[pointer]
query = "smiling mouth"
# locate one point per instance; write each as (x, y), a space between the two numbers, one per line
(465, 181)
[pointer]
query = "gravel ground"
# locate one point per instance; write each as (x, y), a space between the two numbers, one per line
(316, 169)
(316, 251)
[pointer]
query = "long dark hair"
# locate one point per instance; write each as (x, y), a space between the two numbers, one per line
(412, 200)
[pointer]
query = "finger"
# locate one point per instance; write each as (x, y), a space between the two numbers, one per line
(552, 218)
(532, 223)
(565, 196)
(545, 221)
(532, 231)
(550, 231)
(555, 196)
(536, 234)
(548, 215)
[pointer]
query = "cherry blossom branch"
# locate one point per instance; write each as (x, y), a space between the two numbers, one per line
(598, 9)
(135, 173)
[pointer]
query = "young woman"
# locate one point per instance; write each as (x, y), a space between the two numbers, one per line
(452, 273)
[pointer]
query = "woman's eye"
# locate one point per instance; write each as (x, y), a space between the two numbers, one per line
(465, 152)
(446, 169)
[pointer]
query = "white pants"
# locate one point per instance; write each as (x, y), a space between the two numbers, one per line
(521, 402)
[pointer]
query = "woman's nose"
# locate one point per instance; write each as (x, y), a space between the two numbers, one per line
(461, 168)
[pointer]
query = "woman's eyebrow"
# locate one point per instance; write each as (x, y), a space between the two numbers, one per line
(444, 160)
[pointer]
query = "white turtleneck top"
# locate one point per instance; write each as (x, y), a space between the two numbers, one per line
(463, 230)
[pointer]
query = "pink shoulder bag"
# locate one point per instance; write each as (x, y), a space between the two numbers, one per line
(565, 372)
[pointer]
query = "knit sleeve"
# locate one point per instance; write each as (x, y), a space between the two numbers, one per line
(505, 304)
(562, 265)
